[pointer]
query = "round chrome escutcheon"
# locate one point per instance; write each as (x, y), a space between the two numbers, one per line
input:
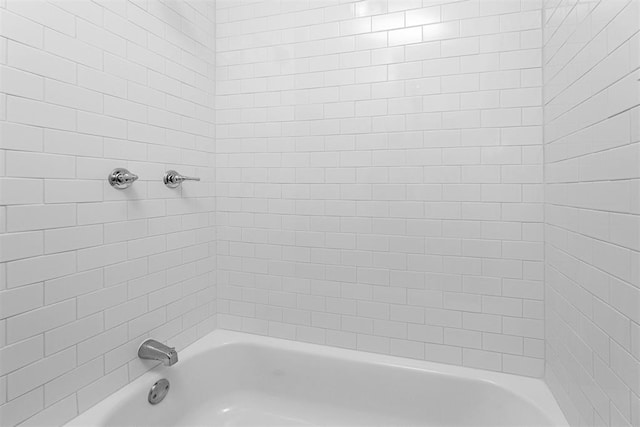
(158, 391)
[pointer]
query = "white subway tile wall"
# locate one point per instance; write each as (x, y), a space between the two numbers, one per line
(87, 271)
(379, 176)
(378, 185)
(592, 156)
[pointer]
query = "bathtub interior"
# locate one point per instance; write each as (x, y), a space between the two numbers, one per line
(250, 383)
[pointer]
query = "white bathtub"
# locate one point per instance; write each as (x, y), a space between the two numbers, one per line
(234, 379)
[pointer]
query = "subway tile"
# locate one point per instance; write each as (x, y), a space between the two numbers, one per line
(72, 96)
(40, 62)
(101, 82)
(22, 407)
(35, 269)
(100, 38)
(31, 112)
(44, 13)
(16, 191)
(94, 213)
(58, 413)
(72, 333)
(72, 49)
(21, 300)
(65, 239)
(20, 83)
(125, 311)
(521, 365)
(73, 285)
(20, 245)
(39, 165)
(481, 359)
(73, 380)
(20, 137)
(32, 376)
(39, 320)
(36, 217)
(101, 125)
(102, 343)
(101, 256)
(21, 354)
(98, 390)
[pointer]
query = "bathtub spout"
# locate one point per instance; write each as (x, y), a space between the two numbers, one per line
(154, 350)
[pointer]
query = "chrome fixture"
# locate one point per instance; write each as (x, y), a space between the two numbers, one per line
(173, 179)
(154, 350)
(121, 178)
(158, 391)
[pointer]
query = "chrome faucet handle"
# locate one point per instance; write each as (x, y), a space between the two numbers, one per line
(173, 179)
(121, 178)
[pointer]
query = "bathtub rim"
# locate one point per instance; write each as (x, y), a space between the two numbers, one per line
(532, 390)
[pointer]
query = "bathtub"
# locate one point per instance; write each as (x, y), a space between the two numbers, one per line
(235, 379)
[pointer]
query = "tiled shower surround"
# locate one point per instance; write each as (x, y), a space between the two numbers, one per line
(88, 271)
(379, 177)
(592, 157)
(375, 176)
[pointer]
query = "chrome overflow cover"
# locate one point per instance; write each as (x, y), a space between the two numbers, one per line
(158, 391)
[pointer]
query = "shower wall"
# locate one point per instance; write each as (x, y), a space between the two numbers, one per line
(87, 271)
(379, 176)
(592, 157)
